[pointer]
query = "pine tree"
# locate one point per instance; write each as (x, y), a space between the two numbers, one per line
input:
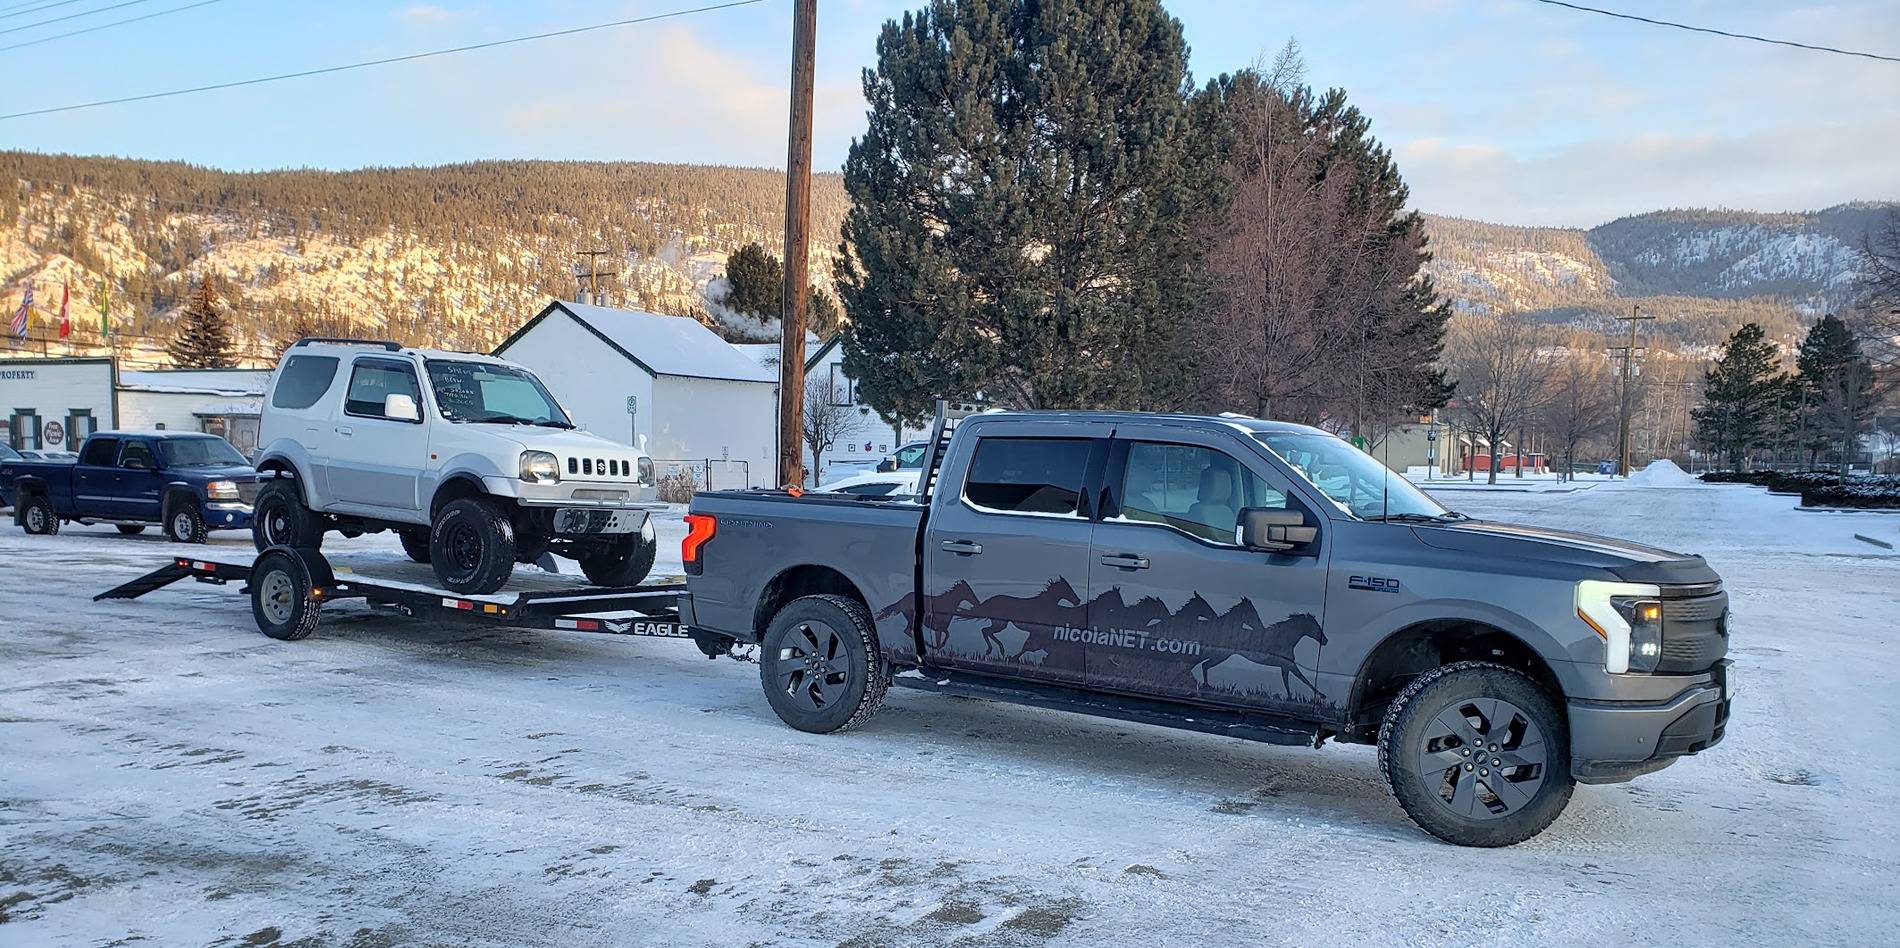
(755, 283)
(1023, 198)
(1835, 382)
(1744, 393)
(204, 335)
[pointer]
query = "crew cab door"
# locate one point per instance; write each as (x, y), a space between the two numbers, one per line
(376, 461)
(96, 478)
(141, 483)
(1180, 609)
(1006, 551)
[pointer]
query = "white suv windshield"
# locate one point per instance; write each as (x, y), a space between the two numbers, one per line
(481, 391)
(1354, 480)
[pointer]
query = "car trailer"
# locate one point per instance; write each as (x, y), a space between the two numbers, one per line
(288, 588)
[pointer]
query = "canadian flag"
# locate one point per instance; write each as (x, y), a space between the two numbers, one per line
(65, 321)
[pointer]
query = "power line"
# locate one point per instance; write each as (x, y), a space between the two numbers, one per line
(107, 26)
(1716, 32)
(381, 62)
(29, 3)
(69, 16)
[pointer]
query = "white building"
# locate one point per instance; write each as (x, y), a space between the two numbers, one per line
(860, 445)
(702, 404)
(53, 404)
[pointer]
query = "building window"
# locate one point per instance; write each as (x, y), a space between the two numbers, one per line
(840, 386)
(25, 430)
(79, 424)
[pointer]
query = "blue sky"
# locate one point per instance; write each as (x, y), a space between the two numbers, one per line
(1504, 110)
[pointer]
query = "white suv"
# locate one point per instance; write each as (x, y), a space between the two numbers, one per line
(467, 457)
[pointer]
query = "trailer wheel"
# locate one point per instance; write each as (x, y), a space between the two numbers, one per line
(38, 517)
(625, 563)
(283, 600)
(1478, 754)
(416, 544)
(820, 666)
(472, 546)
(281, 519)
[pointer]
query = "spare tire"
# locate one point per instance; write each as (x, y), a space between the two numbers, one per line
(472, 545)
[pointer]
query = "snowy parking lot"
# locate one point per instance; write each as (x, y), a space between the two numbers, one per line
(169, 775)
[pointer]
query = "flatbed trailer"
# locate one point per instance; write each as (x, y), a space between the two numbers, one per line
(289, 587)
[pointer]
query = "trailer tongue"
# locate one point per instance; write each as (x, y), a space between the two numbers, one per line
(288, 588)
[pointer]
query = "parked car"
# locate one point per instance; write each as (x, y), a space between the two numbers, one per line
(189, 483)
(874, 484)
(466, 457)
(908, 457)
(8, 454)
(1244, 577)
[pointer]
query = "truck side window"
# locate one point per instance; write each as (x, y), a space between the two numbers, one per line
(303, 381)
(374, 380)
(1196, 490)
(100, 452)
(137, 454)
(1027, 475)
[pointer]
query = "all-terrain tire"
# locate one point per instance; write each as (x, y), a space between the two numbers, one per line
(1418, 787)
(183, 523)
(472, 545)
(415, 543)
(130, 529)
(279, 518)
(626, 563)
(39, 517)
(850, 678)
(283, 598)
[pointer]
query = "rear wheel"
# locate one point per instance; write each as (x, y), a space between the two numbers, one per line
(625, 563)
(472, 545)
(131, 529)
(1478, 754)
(184, 525)
(281, 519)
(38, 517)
(416, 544)
(283, 600)
(820, 666)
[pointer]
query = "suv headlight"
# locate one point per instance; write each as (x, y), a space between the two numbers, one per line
(540, 467)
(645, 468)
(221, 490)
(1629, 617)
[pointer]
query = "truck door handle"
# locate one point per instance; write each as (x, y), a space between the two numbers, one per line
(345, 431)
(1124, 561)
(962, 547)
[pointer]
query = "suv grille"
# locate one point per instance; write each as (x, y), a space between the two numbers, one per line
(601, 468)
(1695, 632)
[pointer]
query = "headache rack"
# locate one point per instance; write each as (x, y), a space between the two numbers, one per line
(940, 430)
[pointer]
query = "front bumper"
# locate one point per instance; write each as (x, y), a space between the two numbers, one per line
(226, 516)
(604, 495)
(1611, 742)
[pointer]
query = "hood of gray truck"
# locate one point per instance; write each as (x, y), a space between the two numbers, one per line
(1628, 560)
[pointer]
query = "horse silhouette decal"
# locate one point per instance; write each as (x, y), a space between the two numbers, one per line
(935, 612)
(1053, 606)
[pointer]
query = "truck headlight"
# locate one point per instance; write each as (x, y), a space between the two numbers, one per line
(1629, 618)
(540, 467)
(645, 468)
(221, 490)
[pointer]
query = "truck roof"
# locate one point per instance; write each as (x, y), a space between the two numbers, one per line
(148, 433)
(1233, 421)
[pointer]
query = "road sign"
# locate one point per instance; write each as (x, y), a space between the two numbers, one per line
(633, 404)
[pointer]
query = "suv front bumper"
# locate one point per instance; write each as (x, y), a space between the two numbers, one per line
(1614, 741)
(606, 495)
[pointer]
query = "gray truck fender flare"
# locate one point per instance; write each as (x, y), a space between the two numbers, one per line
(1400, 620)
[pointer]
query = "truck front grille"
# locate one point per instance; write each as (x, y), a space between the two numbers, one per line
(1695, 633)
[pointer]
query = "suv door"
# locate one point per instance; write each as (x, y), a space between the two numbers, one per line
(1006, 557)
(376, 461)
(1181, 609)
(96, 478)
(141, 485)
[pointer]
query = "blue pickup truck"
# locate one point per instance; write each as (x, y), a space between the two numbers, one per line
(189, 484)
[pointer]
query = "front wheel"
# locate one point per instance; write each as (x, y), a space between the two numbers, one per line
(39, 518)
(281, 519)
(472, 546)
(819, 664)
(626, 562)
(1478, 754)
(184, 525)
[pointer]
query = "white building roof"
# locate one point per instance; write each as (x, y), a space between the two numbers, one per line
(197, 381)
(662, 345)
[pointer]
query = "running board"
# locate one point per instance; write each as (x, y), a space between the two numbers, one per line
(1252, 726)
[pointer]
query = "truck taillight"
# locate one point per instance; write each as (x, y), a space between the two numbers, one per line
(699, 529)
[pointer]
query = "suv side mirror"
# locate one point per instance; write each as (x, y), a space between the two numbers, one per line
(1275, 530)
(400, 408)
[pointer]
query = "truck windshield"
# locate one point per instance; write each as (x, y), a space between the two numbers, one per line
(200, 452)
(482, 391)
(1356, 481)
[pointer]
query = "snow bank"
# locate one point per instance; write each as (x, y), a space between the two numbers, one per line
(1663, 473)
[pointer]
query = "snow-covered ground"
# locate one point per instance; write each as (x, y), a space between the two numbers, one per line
(169, 775)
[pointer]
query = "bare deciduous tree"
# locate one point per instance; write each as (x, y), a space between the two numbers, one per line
(826, 421)
(1581, 406)
(1501, 370)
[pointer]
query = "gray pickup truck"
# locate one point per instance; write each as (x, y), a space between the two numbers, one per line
(1252, 578)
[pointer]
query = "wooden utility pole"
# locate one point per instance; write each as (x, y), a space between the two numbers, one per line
(1629, 380)
(593, 274)
(791, 360)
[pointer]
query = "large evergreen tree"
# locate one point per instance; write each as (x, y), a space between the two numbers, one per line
(1835, 382)
(204, 334)
(1023, 197)
(755, 282)
(1744, 394)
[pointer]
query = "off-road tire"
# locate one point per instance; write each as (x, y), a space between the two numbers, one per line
(183, 523)
(865, 678)
(38, 516)
(302, 527)
(415, 543)
(1402, 732)
(283, 601)
(130, 529)
(626, 563)
(472, 545)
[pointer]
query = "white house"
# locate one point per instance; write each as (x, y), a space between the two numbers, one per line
(702, 404)
(53, 404)
(861, 444)
(223, 402)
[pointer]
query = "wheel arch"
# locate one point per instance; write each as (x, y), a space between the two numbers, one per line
(1424, 645)
(794, 582)
(455, 487)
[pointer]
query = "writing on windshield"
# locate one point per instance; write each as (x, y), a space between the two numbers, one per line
(479, 391)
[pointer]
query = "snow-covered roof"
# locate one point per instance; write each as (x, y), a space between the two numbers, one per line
(662, 345)
(766, 353)
(232, 382)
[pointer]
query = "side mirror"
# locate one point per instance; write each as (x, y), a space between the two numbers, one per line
(400, 408)
(1275, 530)
(137, 464)
(887, 465)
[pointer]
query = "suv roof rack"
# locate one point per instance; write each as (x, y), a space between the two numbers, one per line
(346, 341)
